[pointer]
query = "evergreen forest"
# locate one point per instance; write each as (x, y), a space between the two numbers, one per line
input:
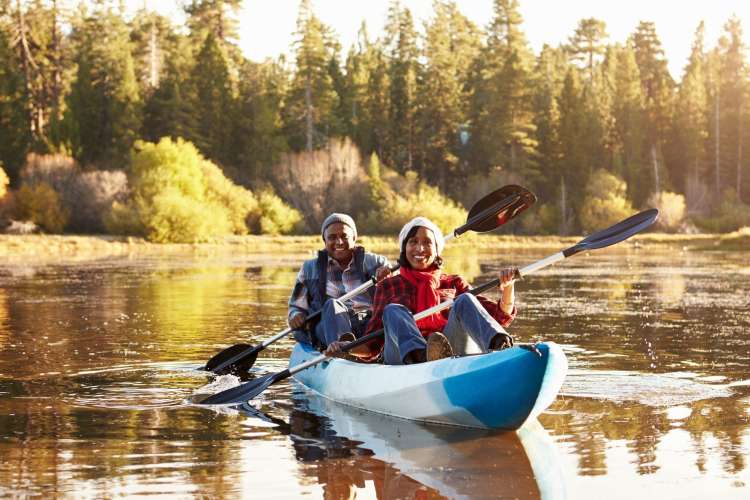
(135, 125)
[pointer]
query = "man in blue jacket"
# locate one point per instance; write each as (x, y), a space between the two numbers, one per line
(339, 268)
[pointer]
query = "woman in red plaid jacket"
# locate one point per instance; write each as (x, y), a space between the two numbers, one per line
(472, 324)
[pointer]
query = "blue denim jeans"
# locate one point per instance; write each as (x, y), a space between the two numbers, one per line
(470, 329)
(337, 319)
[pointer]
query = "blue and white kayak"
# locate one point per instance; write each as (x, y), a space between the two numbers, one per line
(498, 390)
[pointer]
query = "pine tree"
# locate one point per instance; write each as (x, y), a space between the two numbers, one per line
(168, 109)
(549, 75)
(257, 139)
(501, 122)
(575, 168)
(733, 109)
(690, 129)
(359, 65)
(628, 144)
(451, 44)
(215, 17)
(155, 42)
(35, 30)
(15, 126)
(104, 115)
(403, 74)
(587, 45)
(311, 99)
(212, 102)
(658, 89)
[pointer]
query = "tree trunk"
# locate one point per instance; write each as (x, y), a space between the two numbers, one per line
(153, 59)
(655, 163)
(57, 66)
(716, 145)
(739, 153)
(309, 115)
(27, 64)
(563, 208)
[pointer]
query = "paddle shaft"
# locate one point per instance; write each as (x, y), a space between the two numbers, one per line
(477, 219)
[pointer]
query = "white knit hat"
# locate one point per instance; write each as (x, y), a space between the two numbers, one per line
(426, 223)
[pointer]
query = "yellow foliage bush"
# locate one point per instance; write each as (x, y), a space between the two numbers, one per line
(173, 218)
(4, 181)
(41, 204)
(605, 202)
(123, 218)
(731, 215)
(180, 197)
(541, 219)
(671, 209)
(276, 217)
(238, 203)
(394, 208)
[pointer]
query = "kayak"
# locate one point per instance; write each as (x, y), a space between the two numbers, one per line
(497, 390)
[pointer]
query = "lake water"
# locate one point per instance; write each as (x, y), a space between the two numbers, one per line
(98, 362)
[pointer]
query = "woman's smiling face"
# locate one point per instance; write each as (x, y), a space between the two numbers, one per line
(421, 249)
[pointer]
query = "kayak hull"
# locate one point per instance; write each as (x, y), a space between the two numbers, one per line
(498, 390)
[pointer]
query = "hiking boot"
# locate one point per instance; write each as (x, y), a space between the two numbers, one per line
(438, 347)
(501, 341)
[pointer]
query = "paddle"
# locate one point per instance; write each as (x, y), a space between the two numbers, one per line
(604, 238)
(487, 214)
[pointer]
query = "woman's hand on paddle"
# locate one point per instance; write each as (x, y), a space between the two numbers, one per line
(507, 276)
(297, 321)
(382, 273)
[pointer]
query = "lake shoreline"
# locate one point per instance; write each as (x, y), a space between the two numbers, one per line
(47, 247)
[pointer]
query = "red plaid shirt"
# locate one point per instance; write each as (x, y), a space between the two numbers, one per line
(396, 290)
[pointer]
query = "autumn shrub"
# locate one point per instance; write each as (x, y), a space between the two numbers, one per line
(179, 196)
(4, 181)
(671, 208)
(40, 204)
(168, 196)
(394, 207)
(86, 196)
(604, 202)
(319, 182)
(276, 217)
(731, 215)
(240, 205)
(55, 170)
(171, 217)
(541, 219)
(122, 218)
(478, 185)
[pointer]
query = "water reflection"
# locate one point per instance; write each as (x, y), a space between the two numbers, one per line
(97, 361)
(404, 459)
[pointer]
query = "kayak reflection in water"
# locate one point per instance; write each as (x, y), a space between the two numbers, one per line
(473, 324)
(346, 450)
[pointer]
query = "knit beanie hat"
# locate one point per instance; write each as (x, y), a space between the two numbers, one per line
(342, 218)
(424, 222)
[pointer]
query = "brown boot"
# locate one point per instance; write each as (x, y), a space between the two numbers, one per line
(438, 347)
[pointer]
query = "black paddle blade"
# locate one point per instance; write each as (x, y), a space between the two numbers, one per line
(246, 391)
(503, 205)
(249, 354)
(615, 234)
